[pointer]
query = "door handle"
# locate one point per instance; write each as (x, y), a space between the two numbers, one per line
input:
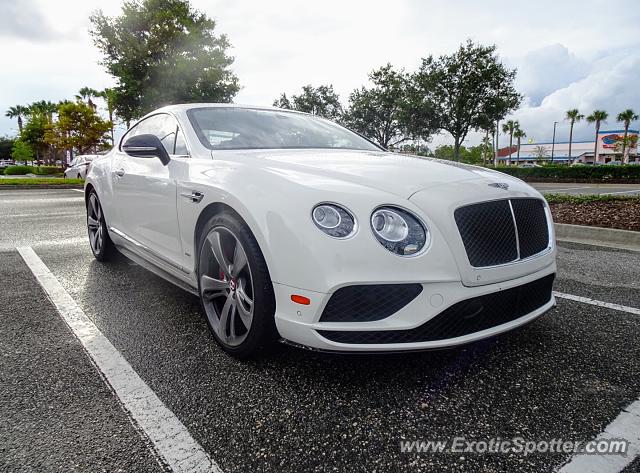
(120, 172)
(194, 196)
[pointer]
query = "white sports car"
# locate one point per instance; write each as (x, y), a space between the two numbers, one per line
(290, 227)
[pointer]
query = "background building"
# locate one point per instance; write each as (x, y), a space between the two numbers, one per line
(581, 151)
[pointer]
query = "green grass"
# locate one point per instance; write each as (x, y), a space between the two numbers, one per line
(37, 181)
(586, 198)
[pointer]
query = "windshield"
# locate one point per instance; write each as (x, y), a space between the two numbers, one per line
(246, 128)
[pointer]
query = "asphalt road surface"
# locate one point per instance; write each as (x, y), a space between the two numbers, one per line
(568, 375)
(578, 188)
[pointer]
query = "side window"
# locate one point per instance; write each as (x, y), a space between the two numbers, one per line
(181, 144)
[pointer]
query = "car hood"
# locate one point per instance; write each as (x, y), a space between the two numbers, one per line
(399, 174)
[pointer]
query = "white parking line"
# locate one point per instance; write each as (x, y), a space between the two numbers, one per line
(168, 435)
(626, 426)
(608, 305)
(77, 190)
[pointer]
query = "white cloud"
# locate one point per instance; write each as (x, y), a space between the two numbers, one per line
(609, 85)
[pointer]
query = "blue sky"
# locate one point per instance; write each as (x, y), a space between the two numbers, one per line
(582, 54)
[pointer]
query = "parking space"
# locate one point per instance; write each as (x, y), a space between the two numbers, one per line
(566, 375)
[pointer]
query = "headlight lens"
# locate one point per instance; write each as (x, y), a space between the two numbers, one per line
(333, 220)
(399, 231)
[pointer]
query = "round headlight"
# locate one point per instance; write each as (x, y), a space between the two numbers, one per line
(399, 231)
(333, 220)
(389, 225)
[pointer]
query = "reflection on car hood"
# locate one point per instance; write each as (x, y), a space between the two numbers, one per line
(399, 174)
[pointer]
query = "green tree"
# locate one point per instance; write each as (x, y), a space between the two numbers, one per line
(283, 102)
(378, 112)
(574, 116)
(472, 155)
(597, 117)
(519, 134)
(322, 101)
(20, 112)
(509, 127)
(626, 117)
(446, 152)
(21, 151)
(464, 90)
(6, 147)
(163, 52)
(46, 110)
(33, 134)
(78, 127)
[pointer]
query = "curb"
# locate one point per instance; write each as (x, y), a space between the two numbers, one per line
(611, 237)
(40, 186)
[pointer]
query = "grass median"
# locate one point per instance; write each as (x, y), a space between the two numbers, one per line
(40, 181)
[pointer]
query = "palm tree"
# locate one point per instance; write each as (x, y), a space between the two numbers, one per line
(18, 111)
(509, 127)
(486, 145)
(44, 108)
(626, 117)
(541, 152)
(519, 134)
(109, 96)
(574, 116)
(87, 93)
(597, 117)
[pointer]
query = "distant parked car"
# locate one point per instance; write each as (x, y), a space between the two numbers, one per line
(5, 163)
(530, 165)
(613, 163)
(78, 167)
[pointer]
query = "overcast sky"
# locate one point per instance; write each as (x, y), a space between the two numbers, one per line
(569, 54)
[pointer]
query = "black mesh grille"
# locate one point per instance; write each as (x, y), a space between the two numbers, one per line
(533, 231)
(370, 302)
(489, 235)
(487, 232)
(463, 318)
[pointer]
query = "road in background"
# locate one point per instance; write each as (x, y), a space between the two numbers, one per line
(577, 188)
(566, 375)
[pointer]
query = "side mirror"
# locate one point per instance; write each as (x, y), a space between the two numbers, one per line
(146, 146)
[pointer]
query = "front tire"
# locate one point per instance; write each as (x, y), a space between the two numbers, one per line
(101, 245)
(235, 288)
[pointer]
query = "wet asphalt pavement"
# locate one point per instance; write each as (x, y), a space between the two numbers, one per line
(566, 375)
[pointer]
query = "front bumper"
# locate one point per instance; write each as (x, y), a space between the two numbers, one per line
(301, 325)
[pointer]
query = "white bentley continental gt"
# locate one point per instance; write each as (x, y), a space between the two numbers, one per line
(290, 227)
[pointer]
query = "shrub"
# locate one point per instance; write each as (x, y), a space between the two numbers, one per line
(626, 172)
(18, 170)
(47, 170)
